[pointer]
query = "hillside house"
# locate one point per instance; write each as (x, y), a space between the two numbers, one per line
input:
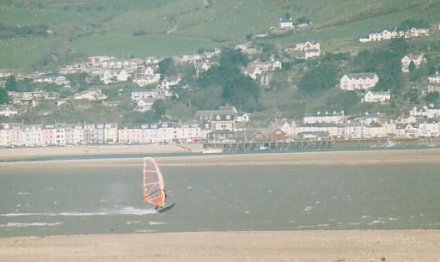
(247, 49)
(225, 118)
(31, 98)
(418, 32)
(311, 53)
(144, 105)
(434, 83)
(97, 61)
(8, 110)
(113, 76)
(358, 81)
(91, 95)
(144, 80)
(429, 112)
(170, 81)
(434, 79)
(52, 79)
(255, 69)
(144, 94)
(392, 33)
(73, 69)
(418, 61)
(326, 117)
(376, 97)
(309, 45)
(286, 23)
(201, 65)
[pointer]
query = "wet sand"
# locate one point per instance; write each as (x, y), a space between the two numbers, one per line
(370, 157)
(84, 151)
(230, 246)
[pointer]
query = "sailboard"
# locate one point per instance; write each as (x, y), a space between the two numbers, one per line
(154, 186)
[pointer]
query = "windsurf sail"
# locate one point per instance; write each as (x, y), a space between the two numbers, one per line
(154, 186)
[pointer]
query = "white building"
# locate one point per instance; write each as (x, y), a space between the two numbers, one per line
(286, 23)
(8, 110)
(359, 81)
(430, 111)
(309, 45)
(311, 53)
(376, 97)
(418, 61)
(91, 95)
(326, 117)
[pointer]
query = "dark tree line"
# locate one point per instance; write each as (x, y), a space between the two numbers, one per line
(226, 83)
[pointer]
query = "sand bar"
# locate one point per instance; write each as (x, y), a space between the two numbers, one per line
(369, 157)
(413, 245)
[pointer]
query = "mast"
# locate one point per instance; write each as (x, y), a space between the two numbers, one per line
(153, 183)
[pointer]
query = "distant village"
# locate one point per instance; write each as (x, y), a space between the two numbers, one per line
(225, 124)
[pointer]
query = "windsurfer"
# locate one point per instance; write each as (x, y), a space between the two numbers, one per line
(157, 207)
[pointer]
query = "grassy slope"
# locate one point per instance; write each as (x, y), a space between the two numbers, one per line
(173, 27)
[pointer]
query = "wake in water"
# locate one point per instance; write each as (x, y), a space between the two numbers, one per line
(34, 224)
(123, 211)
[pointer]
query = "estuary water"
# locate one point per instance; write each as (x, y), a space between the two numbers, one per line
(41, 200)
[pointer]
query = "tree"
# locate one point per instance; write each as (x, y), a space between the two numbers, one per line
(4, 97)
(408, 24)
(166, 67)
(319, 78)
(11, 83)
(236, 88)
(412, 66)
(432, 97)
(159, 108)
(233, 58)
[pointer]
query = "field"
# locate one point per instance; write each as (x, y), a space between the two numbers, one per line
(172, 27)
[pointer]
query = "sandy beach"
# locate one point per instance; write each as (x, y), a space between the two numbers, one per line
(230, 246)
(368, 157)
(315, 245)
(84, 151)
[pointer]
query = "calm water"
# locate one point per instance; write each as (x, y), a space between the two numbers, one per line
(54, 201)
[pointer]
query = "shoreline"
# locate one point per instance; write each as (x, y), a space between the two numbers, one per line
(132, 156)
(350, 245)
(30, 153)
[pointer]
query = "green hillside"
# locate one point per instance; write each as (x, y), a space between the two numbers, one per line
(171, 27)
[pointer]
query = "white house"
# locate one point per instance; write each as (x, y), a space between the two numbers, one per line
(286, 23)
(376, 97)
(418, 61)
(430, 111)
(144, 105)
(255, 69)
(325, 117)
(311, 53)
(91, 95)
(434, 79)
(201, 65)
(434, 82)
(8, 110)
(222, 119)
(144, 94)
(308, 45)
(169, 82)
(418, 32)
(359, 81)
(429, 129)
(144, 80)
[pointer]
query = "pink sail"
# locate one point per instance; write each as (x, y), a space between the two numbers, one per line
(154, 186)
